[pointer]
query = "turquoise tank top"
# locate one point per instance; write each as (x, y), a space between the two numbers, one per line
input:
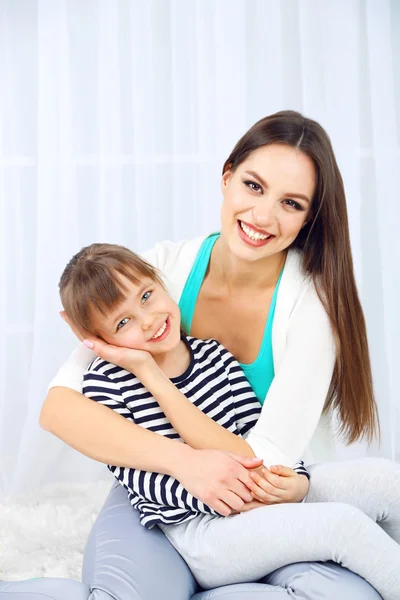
(259, 373)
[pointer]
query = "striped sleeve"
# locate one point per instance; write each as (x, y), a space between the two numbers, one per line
(102, 389)
(300, 469)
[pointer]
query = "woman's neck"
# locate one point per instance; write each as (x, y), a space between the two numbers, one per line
(236, 274)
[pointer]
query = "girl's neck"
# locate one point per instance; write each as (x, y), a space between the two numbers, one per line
(175, 362)
(237, 274)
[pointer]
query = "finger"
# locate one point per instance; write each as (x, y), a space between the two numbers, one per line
(241, 490)
(275, 480)
(232, 500)
(283, 471)
(221, 508)
(106, 351)
(262, 487)
(267, 498)
(247, 461)
(251, 505)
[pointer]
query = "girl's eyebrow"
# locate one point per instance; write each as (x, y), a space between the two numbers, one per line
(261, 180)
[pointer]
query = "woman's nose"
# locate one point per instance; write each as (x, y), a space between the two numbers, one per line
(264, 215)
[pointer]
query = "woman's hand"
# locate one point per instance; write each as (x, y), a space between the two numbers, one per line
(220, 480)
(278, 485)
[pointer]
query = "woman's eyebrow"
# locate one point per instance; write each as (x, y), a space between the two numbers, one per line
(264, 183)
(258, 177)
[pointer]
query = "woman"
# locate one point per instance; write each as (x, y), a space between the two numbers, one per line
(290, 195)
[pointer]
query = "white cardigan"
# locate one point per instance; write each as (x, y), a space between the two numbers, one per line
(290, 426)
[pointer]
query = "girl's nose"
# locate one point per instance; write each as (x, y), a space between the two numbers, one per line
(147, 322)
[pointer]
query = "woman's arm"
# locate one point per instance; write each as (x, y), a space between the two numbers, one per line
(105, 436)
(296, 398)
(217, 479)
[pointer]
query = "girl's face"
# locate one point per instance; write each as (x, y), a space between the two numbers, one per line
(147, 320)
(267, 201)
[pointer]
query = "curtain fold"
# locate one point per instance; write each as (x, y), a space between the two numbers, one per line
(115, 120)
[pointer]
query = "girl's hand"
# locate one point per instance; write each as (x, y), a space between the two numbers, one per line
(127, 358)
(278, 485)
(134, 361)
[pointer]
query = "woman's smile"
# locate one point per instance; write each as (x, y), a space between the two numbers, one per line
(253, 236)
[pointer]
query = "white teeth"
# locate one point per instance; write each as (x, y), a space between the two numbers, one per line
(160, 331)
(254, 235)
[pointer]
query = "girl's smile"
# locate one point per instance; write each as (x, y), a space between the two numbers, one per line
(162, 332)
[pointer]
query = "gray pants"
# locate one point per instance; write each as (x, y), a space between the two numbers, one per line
(351, 516)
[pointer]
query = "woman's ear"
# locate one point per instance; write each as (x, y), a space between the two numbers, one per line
(226, 177)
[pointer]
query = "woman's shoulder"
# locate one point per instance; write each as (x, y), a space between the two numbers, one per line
(297, 286)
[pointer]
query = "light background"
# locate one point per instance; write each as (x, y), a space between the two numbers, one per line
(115, 119)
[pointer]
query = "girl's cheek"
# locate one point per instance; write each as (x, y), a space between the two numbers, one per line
(130, 340)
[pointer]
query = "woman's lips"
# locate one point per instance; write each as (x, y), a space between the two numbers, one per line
(249, 241)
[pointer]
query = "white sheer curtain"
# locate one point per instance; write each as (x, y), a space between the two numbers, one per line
(115, 119)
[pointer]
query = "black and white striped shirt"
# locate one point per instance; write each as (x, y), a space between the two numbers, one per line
(214, 382)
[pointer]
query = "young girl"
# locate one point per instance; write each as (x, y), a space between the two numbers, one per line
(114, 295)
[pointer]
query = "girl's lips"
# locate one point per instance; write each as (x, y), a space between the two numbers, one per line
(254, 243)
(164, 335)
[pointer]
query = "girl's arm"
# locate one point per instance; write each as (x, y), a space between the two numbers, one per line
(195, 427)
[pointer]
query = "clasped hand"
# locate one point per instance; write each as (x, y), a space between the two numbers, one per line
(277, 485)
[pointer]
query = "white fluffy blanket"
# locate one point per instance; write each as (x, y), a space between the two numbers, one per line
(43, 533)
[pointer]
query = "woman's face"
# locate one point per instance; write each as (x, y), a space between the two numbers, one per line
(267, 200)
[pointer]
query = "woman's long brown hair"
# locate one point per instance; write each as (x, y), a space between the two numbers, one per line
(325, 244)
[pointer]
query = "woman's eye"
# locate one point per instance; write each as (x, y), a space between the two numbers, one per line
(293, 204)
(122, 323)
(255, 187)
(145, 297)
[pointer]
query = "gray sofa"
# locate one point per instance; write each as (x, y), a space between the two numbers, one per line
(123, 561)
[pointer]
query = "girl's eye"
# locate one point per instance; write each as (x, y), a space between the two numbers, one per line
(255, 187)
(122, 323)
(146, 296)
(293, 204)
